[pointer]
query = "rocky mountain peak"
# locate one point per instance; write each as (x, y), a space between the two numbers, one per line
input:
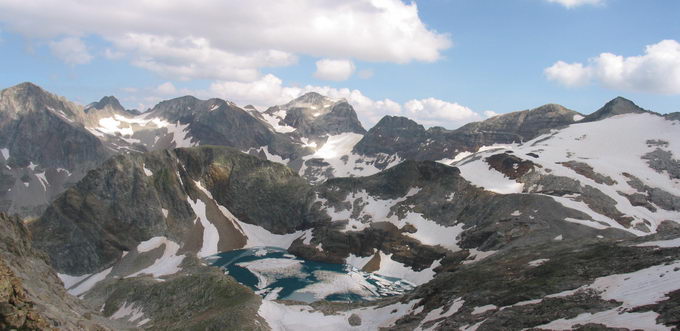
(108, 101)
(552, 108)
(315, 115)
(188, 106)
(27, 88)
(341, 118)
(310, 98)
(389, 122)
(392, 134)
(28, 97)
(176, 108)
(617, 106)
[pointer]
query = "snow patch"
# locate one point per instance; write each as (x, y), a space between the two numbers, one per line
(167, 264)
(483, 309)
(147, 171)
(439, 313)
(392, 268)
(476, 256)
(536, 263)
(661, 243)
(480, 174)
(129, 313)
(210, 235)
(43, 180)
(89, 282)
(611, 318)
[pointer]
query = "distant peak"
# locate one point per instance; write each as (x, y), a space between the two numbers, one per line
(621, 101)
(389, 121)
(312, 98)
(110, 101)
(616, 106)
(552, 108)
(310, 95)
(27, 87)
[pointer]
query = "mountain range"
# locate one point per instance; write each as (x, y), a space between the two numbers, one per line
(538, 219)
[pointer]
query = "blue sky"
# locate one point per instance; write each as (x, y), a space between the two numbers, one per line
(441, 62)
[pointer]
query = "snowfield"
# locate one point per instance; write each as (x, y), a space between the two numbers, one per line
(591, 143)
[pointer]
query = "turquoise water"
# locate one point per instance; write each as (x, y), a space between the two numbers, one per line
(274, 274)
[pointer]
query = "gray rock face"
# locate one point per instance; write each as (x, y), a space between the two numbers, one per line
(45, 148)
(401, 136)
(314, 115)
(121, 203)
(218, 122)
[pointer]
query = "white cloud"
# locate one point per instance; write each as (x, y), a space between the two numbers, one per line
(166, 88)
(71, 50)
(195, 58)
(232, 40)
(264, 92)
(576, 3)
(433, 111)
(657, 71)
(269, 91)
(490, 113)
(570, 75)
(336, 70)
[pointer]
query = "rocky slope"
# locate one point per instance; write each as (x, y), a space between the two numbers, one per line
(32, 297)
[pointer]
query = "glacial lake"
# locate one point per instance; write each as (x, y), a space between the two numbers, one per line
(274, 274)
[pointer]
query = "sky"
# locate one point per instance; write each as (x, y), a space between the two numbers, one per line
(439, 62)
